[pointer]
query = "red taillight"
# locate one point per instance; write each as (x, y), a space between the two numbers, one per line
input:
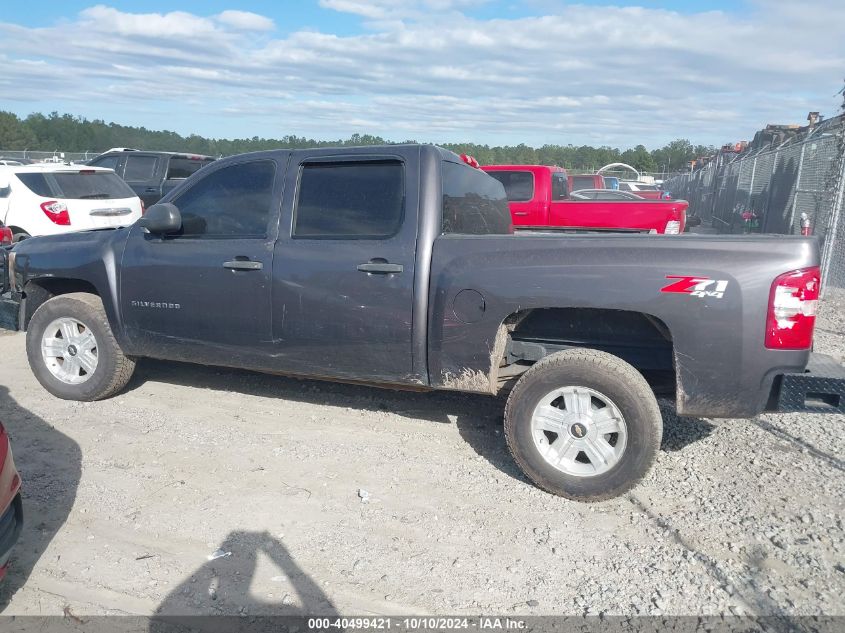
(143, 208)
(5, 236)
(57, 212)
(792, 309)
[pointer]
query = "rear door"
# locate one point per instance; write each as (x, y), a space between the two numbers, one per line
(343, 276)
(140, 171)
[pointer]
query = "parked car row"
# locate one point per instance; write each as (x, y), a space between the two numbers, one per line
(543, 196)
(44, 199)
(71, 197)
(151, 175)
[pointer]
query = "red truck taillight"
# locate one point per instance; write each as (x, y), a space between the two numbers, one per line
(5, 236)
(792, 309)
(57, 212)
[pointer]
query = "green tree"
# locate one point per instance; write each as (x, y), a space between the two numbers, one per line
(13, 133)
(639, 158)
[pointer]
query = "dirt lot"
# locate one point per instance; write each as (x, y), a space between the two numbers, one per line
(126, 500)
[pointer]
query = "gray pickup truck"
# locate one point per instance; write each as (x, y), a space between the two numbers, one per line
(397, 266)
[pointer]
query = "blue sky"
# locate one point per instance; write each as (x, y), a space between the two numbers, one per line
(533, 71)
(290, 16)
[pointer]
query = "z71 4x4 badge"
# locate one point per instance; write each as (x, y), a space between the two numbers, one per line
(696, 286)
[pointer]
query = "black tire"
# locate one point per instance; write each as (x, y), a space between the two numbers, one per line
(20, 237)
(113, 370)
(608, 375)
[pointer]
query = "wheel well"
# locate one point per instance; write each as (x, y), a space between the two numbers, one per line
(638, 338)
(38, 291)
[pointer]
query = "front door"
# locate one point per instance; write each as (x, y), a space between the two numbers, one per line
(203, 295)
(343, 276)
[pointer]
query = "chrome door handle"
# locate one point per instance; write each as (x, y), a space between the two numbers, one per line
(243, 264)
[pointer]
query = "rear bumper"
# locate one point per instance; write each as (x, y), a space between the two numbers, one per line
(819, 389)
(10, 311)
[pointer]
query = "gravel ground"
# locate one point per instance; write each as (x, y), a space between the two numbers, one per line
(321, 498)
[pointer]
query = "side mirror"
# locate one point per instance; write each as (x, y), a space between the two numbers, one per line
(161, 219)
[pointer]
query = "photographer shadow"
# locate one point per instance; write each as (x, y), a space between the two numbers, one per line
(221, 587)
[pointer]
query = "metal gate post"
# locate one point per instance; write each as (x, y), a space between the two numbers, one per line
(751, 184)
(832, 227)
(797, 187)
(771, 188)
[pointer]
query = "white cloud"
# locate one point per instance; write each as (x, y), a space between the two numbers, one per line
(426, 70)
(246, 21)
(176, 24)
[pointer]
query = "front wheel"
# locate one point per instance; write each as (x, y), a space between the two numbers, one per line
(583, 424)
(72, 351)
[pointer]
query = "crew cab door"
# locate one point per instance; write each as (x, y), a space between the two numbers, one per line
(343, 274)
(203, 294)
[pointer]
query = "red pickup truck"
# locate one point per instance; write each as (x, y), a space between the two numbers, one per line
(538, 196)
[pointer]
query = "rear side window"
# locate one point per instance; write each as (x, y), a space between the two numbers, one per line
(582, 182)
(231, 202)
(473, 202)
(519, 185)
(140, 167)
(109, 162)
(83, 185)
(37, 184)
(181, 167)
(350, 199)
(560, 186)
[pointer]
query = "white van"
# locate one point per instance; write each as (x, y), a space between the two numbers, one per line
(46, 199)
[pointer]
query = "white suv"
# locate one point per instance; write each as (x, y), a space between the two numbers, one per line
(47, 199)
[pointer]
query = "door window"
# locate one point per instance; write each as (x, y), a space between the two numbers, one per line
(140, 167)
(560, 187)
(350, 200)
(109, 162)
(233, 201)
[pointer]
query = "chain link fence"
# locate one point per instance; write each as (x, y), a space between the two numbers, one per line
(779, 187)
(56, 156)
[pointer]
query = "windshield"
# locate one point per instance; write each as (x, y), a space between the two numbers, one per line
(82, 185)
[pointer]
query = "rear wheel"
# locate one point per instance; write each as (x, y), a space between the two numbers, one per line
(583, 424)
(20, 236)
(72, 350)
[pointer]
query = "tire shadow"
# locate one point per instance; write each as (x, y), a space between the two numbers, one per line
(679, 432)
(50, 465)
